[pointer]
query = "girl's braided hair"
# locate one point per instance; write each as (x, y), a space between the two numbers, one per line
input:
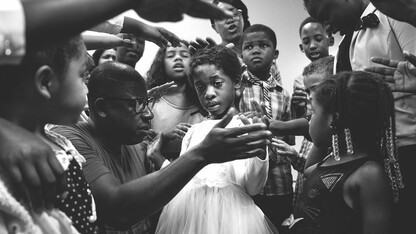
(365, 105)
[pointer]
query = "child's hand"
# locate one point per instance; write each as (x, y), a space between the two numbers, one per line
(285, 150)
(154, 151)
(259, 110)
(298, 101)
(178, 132)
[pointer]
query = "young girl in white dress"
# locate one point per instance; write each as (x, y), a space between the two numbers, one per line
(218, 198)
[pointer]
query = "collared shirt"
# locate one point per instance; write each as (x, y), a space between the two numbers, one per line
(279, 181)
(388, 40)
(12, 32)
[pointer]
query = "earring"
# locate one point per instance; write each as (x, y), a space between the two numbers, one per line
(335, 149)
(348, 141)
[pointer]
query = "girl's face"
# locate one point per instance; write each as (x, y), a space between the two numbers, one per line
(177, 61)
(70, 96)
(107, 56)
(319, 126)
(215, 89)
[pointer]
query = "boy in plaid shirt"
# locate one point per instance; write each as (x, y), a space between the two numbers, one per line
(259, 52)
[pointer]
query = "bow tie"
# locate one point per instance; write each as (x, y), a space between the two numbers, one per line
(369, 21)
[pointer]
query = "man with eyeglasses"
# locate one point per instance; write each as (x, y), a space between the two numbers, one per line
(116, 167)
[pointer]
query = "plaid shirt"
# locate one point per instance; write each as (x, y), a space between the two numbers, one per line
(279, 181)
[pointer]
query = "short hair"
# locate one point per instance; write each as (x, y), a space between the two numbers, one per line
(260, 28)
(310, 20)
(239, 5)
(324, 66)
(219, 56)
(57, 57)
(109, 78)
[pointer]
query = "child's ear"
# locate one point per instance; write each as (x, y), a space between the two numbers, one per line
(237, 84)
(331, 41)
(301, 48)
(276, 54)
(99, 107)
(43, 80)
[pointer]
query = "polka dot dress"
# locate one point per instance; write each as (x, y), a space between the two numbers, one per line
(76, 202)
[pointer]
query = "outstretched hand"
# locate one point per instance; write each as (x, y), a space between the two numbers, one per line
(31, 165)
(154, 151)
(178, 132)
(200, 43)
(400, 76)
(227, 144)
(173, 10)
(161, 36)
(299, 102)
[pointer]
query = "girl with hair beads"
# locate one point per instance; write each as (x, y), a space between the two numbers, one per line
(352, 190)
(217, 199)
(174, 107)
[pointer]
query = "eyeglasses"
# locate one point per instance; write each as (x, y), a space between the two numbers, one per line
(140, 103)
(237, 13)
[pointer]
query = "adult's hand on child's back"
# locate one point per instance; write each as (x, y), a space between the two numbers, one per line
(227, 144)
(31, 166)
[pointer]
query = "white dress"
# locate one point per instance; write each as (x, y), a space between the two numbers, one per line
(218, 199)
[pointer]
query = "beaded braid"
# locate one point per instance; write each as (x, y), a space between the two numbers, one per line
(347, 87)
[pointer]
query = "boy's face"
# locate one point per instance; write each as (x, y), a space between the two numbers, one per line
(71, 94)
(315, 42)
(215, 89)
(177, 61)
(258, 52)
(342, 14)
(231, 29)
(311, 81)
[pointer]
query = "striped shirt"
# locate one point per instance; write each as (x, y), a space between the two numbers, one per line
(279, 181)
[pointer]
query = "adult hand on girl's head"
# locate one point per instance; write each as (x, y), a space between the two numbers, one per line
(173, 10)
(227, 144)
(161, 36)
(200, 44)
(31, 166)
(400, 76)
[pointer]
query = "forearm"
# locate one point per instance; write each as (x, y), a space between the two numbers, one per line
(48, 21)
(298, 127)
(97, 40)
(144, 196)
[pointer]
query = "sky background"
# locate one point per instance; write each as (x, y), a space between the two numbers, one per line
(283, 16)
